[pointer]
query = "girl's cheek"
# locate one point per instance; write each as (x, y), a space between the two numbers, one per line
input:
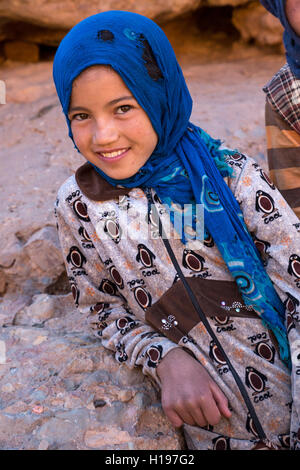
(78, 132)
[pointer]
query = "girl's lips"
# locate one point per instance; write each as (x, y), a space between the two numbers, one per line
(112, 159)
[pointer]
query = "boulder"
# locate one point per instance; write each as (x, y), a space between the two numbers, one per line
(42, 309)
(57, 14)
(46, 23)
(223, 3)
(34, 265)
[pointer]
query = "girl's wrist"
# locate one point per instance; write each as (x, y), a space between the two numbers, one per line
(170, 358)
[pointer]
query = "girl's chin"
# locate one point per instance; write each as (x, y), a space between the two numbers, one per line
(117, 174)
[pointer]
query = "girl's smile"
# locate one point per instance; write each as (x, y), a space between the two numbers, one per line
(110, 128)
(112, 155)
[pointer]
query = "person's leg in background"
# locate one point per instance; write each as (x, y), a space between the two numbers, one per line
(283, 150)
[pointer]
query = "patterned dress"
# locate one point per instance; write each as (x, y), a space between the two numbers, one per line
(123, 280)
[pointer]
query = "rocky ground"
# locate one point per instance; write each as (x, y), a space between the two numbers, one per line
(58, 388)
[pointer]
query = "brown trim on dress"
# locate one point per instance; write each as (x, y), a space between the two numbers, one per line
(94, 186)
(174, 314)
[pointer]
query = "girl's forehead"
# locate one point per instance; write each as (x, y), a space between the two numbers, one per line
(99, 84)
(94, 71)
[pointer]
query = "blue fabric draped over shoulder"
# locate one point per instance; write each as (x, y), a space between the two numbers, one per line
(187, 165)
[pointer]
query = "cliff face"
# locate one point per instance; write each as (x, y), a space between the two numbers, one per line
(28, 27)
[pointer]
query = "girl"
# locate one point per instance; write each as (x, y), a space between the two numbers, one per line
(230, 379)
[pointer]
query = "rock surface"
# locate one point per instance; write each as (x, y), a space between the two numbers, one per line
(59, 389)
(65, 14)
(24, 28)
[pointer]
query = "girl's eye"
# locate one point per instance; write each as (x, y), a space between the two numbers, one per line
(124, 109)
(80, 117)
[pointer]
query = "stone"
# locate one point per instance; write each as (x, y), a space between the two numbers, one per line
(21, 51)
(17, 407)
(40, 23)
(10, 305)
(27, 335)
(63, 15)
(3, 283)
(43, 251)
(43, 308)
(38, 409)
(43, 445)
(223, 3)
(9, 251)
(57, 430)
(37, 263)
(78, 365)
(7, 388)
(106, 437)
(125, 395)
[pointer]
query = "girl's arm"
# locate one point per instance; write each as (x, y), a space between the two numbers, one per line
(188, 393)
(133, 341)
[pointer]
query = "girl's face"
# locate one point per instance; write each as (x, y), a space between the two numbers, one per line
(109, 127)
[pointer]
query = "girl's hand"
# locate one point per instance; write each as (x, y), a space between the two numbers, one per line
(189, 395)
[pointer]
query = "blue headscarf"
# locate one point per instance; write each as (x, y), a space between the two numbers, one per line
(187, 165)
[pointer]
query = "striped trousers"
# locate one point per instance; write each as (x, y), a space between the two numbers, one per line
(283, 149)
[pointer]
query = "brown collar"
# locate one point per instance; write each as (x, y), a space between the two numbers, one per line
(94, 186)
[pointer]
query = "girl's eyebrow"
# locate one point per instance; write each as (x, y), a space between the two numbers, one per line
(78, 108)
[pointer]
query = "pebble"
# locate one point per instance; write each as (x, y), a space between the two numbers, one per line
(7, 388)
(43, 445)
(125, 395)
(99, 403)
(106, 436)
(38, 409)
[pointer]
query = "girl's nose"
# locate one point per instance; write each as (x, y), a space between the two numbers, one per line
(104, 132)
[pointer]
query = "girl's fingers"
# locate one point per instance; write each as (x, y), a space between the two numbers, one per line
(183, 415)
(187, 418)
(174, 418)
(211, 411)
(199, 417)
(221, 401)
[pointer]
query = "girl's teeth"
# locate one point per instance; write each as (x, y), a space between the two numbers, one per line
(113, 154)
